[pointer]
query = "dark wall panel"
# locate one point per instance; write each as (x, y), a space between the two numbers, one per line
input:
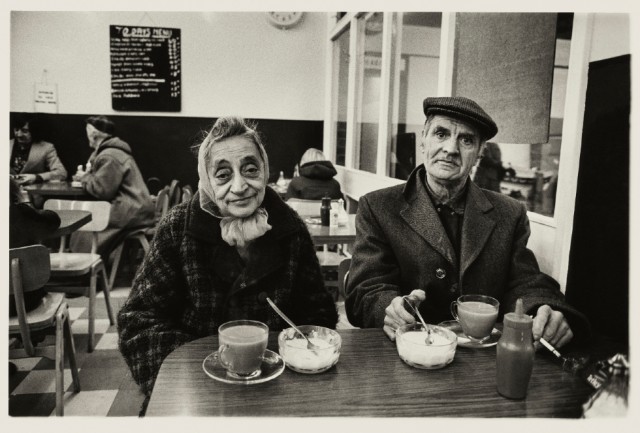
(598, 278)
(162, 145)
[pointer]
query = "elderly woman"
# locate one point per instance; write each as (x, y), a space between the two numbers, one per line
(219, 256)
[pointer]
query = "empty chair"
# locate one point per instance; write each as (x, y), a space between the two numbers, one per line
(65, 265)
(329, 260)
(29, 270)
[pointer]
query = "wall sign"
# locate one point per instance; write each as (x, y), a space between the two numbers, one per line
(45, 98)
(145, 68)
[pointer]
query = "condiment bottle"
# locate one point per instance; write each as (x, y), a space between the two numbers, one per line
(333, 216)
(343, 216)
(325, 211)
(515, 352)
(281, 181)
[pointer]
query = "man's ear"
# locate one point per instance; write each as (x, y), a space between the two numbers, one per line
(483, 149)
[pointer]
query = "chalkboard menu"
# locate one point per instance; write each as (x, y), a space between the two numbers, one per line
(145, 68)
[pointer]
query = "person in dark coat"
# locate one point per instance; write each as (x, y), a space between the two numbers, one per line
(28, 226)
(440, 236)
(218, 257)
(316, 179)
(490, 171)
(115, 177)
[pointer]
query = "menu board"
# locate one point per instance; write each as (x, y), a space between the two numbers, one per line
(145, 68)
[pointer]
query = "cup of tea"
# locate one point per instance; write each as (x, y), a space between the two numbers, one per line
(242, 346)
(476, 314)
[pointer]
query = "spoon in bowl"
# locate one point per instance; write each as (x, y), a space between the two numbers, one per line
(429, 340)
(310, 345)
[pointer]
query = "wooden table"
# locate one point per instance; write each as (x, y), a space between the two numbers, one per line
(70, 221)
(56, 190)
(370, 380)
(333, 235)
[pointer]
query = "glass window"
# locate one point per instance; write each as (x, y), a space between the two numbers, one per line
(532, 169)
(369, 106)
(342, 80)
(414, 76)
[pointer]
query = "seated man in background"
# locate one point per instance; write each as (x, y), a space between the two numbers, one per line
(32, 159)
(114, 177)
(440, 236)
(316, 178)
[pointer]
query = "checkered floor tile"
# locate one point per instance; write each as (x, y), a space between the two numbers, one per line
(107, 388)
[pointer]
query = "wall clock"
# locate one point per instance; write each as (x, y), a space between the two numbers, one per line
(285, 20)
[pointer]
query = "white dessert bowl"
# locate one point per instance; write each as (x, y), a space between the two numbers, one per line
(414, 350)
(299, 358)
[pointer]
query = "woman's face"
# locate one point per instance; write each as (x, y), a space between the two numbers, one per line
(237, 176)
(23, 134)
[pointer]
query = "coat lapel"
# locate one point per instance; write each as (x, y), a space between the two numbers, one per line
(422, 217)
(476, 226)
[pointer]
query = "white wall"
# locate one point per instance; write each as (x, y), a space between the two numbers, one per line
(232, 62)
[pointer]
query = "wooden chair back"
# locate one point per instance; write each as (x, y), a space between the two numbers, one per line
(100, 212)
(187, 193)
(174, 193)
(154, 185)
(343, 274)
(162, 203)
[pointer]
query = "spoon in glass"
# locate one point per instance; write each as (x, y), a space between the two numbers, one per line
(310, 345)
(429, 340)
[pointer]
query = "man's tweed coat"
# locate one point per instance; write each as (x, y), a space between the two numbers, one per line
(191, 282)
(401, 245)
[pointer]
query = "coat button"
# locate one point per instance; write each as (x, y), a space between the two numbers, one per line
(262, 297)
(243, 285)
(440, 273)
(454, 288)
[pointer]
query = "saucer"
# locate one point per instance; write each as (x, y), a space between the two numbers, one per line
(313, 220)
(272, 366)
(464, 341)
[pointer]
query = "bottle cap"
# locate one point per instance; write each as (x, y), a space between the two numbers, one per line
(517, 319)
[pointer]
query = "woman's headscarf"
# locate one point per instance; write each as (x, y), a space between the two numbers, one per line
(235, 231)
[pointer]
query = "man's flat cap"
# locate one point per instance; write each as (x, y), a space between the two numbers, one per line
(102, 123)
(464, 109)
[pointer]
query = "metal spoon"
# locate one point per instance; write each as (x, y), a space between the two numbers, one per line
(429, 340)
(310, 345)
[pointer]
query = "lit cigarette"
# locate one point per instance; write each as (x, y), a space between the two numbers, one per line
(552, 349)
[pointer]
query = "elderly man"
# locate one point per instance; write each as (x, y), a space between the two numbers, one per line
(440, 236)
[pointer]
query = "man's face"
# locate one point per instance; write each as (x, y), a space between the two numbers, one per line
(237, 176)
(22, 135)
(450, 148)
(92, 135)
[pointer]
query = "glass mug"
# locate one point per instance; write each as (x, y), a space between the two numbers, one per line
(476, 314)
(242, 346)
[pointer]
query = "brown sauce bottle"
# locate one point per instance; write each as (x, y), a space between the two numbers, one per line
(515, 353)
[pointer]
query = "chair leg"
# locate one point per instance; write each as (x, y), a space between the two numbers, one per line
(59, 366)
(92, 309)
(144, 242)
(116, 263)
(107, 293)
(70, 349)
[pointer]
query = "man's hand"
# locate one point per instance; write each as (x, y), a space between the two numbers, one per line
(396, 314)
(26, 179)
(551, 325)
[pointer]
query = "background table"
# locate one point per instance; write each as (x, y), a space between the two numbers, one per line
(369, 380)
(333, 235)
(56, 190)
